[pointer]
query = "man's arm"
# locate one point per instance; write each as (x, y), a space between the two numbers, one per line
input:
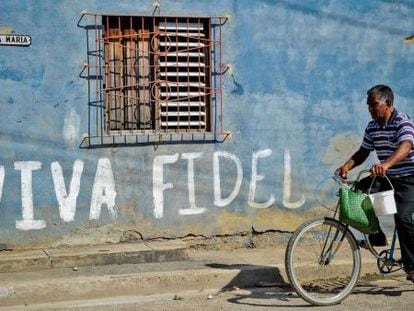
(399, 154)
(357, 159)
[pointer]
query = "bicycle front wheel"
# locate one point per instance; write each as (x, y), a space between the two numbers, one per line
(322, 261)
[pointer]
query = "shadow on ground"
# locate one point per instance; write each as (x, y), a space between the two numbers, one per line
(262, 282)
(262, 286)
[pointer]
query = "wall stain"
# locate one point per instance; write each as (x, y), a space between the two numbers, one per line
(238, 88)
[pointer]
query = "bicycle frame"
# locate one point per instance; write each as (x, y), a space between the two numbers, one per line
(386, 257)
(392, 249)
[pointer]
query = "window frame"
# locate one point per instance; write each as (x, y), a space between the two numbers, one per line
(98, 32)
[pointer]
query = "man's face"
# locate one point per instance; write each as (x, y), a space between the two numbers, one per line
(380, 111)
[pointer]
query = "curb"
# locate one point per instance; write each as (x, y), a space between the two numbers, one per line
(109, 254)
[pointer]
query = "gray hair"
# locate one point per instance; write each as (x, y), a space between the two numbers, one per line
(384, 91)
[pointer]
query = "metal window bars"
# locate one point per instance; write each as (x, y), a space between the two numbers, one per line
(153, 79)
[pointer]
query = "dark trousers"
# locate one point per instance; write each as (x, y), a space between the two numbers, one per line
(404, 219)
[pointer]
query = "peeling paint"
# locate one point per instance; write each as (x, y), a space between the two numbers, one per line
(71, 127)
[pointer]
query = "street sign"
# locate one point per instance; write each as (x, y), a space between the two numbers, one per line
(15, 40)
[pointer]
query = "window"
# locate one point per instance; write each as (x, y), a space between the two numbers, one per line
(153, 77)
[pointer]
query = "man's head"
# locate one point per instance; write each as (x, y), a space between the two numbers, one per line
(380, 101)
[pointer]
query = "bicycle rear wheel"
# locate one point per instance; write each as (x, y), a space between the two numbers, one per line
(323, 261)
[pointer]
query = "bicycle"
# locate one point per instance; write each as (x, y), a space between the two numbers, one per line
(329, 276)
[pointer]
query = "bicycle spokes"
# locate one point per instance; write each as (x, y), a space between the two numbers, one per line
(331, 246)
(323, 261)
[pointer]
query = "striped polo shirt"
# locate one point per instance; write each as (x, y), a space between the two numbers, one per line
(386, 140)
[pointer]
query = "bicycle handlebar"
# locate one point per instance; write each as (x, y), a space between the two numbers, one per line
(343, 181)
(338, 178)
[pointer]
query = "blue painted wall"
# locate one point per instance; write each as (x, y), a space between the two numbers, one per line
(295, 96)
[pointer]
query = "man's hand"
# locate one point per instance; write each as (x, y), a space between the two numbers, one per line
(343, 171)
(379, 169)
(399, 154)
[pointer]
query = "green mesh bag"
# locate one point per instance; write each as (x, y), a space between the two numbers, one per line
(356, 210)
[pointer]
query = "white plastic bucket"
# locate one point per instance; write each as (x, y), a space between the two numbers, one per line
(383, 202)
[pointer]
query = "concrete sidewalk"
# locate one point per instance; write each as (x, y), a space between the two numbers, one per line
(73, 275)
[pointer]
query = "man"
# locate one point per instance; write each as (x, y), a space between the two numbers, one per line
(391, 135)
